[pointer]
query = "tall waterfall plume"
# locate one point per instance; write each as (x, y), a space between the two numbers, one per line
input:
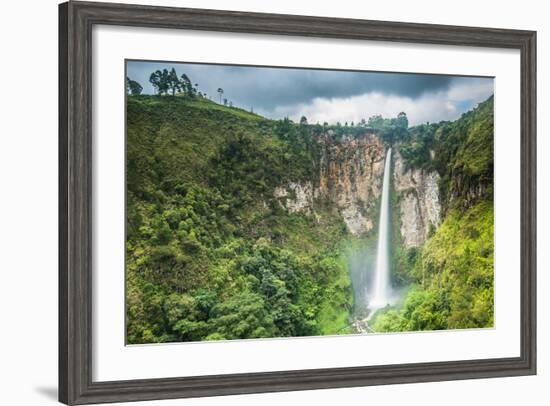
(382, 289)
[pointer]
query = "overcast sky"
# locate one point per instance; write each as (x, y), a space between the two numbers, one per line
(330, 96)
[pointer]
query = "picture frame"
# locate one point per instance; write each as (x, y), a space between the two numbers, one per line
(76, 384)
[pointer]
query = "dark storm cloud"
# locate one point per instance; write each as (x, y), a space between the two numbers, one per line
(266, 88)
(331, 96)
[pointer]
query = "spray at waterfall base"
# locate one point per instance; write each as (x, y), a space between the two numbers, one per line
(373, 277)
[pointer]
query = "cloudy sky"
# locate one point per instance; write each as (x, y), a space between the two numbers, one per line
(330, 96)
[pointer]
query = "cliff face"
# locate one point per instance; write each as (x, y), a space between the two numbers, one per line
(351, 171)
(296, 197)
(350, 177)
(419, 203)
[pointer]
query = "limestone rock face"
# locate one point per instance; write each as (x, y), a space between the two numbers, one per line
(351, 173)
(350, 177)
(296, 197)
(419, 203)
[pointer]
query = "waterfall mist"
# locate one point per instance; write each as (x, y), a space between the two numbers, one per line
(362, 258)
(370, 262)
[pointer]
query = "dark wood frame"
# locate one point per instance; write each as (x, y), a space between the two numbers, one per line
(75, 201)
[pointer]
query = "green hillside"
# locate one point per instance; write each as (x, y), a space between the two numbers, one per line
(210, 253)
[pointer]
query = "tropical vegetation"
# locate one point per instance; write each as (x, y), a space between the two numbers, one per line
(211, 255)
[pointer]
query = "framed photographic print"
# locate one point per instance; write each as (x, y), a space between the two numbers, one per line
(258, 202)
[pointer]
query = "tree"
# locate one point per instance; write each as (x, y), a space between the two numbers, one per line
(133, 87)
(167, 81)
(220, 92)
(376, 122)
(186, 85)
(390, 130)
(242, 316)
(225, 102)
(402, 120)
(401, 124)
(159, 80)
(303, 120)
(173, 82)
(154, 79)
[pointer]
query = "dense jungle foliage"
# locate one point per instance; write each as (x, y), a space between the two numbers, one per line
(211, 255)
(452, 275)
(462, 155)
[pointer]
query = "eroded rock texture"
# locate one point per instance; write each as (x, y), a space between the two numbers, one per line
(351, 171)
(419, 203)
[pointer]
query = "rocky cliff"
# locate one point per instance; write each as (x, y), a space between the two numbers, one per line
(419, 203)
(351, 170)
(350, 177)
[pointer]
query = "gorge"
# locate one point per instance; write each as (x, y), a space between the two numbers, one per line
(245, 227)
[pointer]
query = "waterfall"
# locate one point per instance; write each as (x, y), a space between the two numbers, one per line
(382, 289)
